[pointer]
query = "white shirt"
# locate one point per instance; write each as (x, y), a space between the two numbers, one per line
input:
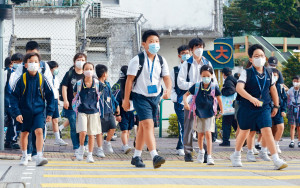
(243, 77)
(173, 92)
(194, 75)
(56, 88)
(143, 81)
(291, 94)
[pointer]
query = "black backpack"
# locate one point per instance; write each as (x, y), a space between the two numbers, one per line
(70, 74)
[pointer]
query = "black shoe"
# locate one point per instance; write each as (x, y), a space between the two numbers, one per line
(158, 161)
(205, 157)
(137, 162)
(292, 145)
(188, 157)
(7, 145)
(257, 146)
(15, 146)
(224, 144)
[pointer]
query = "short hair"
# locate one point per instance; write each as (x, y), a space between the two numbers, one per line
(52, 64)
(196, 42)
(182, 48)
(88, 63)
(79, 55)
(29, 55)
(206, 68)
(100, 70)
(274, 70)
(237, 75)
(32, 45)
(296, 77)
(149, 33)
(7, 62)
(17, 57)
(253, 48)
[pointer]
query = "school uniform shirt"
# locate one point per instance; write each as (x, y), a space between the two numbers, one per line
(55, 87)
(143, 81)
(173, 91)
(194, 74)
(204, 100)
(70, 82)
(31, 102)
(292, 93)
(88, 99)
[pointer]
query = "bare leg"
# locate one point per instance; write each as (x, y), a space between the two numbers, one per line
(147, 126)
(110, 134)
(24, 140)
(82, 138)
(39, 139)
(200, 140)
(125, 137)
(243, 134)
(279, 131)
(269, 139)
(292, 131)
(139, 141)
(91, 143)
(99, 140)
(208, 142)
(250, 140)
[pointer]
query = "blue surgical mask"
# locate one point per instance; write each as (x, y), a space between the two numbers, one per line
(206, 80)
(15, 65)
(154, 48)
(185, 57)
(55, 72)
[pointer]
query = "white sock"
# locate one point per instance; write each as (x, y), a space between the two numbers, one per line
(250, 150)
(292, 140)
(39, 154)
(237, 153)
(209, 156)
(90, 153)
(24, 153)
(276, 143)
(100, 147)
(202, 151)
(263, 149)
(153, 153)
(56, 134)
(61, 127)
(137, 153)
(275, 157)
(81, 148)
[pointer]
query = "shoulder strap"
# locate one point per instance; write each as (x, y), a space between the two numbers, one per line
(41, 82)
(24, 81)
(141, 64)
(188, 71)
(79, 85)
(197, 86)
(248, 74)
(43, 66)
(269, 72)
(176, 72)
(8, 75)
(161, 64)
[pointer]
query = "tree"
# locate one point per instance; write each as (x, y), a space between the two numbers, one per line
(263, 17)
(291, 68)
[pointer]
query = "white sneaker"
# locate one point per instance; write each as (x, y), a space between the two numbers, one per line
(76, 152)
(89, 159)
(86, 150)
(24, 160)
(29, 157)
(79, 155)
(236, 160)
(126, 149)
(280, 164)
(210, 161)
(60, 142)
(107, 146)
(269, 153)
(180, 152)
(278, 149)
(218, 141)
(250, 157)
(200, 157)
(264, 156)
(100, 153)
(41, 161)
(33, 158)
(255, 151)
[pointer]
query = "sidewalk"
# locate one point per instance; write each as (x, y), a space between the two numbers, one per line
(166, 147)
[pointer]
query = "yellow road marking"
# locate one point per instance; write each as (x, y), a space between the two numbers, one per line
(156, 185)
(289, 177)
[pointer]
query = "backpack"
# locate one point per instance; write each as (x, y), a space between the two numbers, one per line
(113, 100)
(41, 84)
(70, 74)
(193, 104)
(76, 100)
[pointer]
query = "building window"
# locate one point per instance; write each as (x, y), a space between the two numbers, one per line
(97, 49)
(111, 2)
(44, 47)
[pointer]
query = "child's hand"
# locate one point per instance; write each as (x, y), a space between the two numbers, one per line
(255, 102)
(167, 94)
(283, 114)
(218, 116)
(66, 104)
(19, 118)
(126, 105)
(187, 107)
(49, 118)
(118, 118)
(274, 112)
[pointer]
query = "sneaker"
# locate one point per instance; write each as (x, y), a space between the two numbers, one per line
(278, 149)
(210, 161)
(292, 145)
(264, 156)
(188, 157)
(15, 146)
(33, 158)
(41, 161)
(255, 151)
(224, 144)
(76, 152)
(250, 157)
(126, 149)
(89, 159)
(218, 141)
(236, 160)
(60, 142)
(24, 161)
(158, 161)
(80, 154)
(107, 146)
(29, 157)
(7, 145)
(200, 157)
(86, 150)
(180, 152)
(257, 146)
(137, 162)
(100, 153)
(280, 164)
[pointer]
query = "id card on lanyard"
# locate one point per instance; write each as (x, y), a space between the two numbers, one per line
(151, 88)
(261, 89)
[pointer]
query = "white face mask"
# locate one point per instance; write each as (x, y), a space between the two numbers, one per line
(33, 67)
(296, 84)
(88, 73)
(259, 62)
(79, 64)
(198, 52)
(275, 78)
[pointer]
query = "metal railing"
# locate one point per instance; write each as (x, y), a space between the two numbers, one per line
(160, 116)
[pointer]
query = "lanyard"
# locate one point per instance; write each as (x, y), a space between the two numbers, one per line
(151, 73)
(261, 88)
(296, 96)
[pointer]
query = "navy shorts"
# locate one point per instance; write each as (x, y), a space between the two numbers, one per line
(33, 122)
(56, 111)
(146, 107)
(254, 118)
(127, 121)
(278, 119)
(108, 122)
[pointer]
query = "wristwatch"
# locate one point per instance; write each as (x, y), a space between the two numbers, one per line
(276, 106)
